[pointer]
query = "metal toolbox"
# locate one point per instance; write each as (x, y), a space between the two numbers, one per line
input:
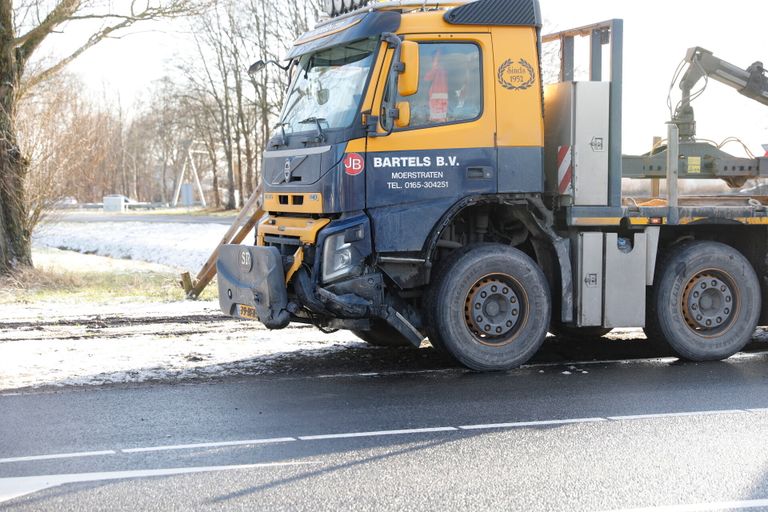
(576, 120)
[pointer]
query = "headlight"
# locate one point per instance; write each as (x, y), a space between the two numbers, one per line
(337, 257)
(340, 257)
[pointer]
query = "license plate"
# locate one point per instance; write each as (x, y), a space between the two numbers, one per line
(248, 312)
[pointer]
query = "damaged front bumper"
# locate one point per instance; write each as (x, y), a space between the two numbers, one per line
(262, 283)
(252, 284)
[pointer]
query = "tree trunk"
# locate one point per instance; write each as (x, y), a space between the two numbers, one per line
(231, 203)
(164, 187)
(210, 147)
(15, 243)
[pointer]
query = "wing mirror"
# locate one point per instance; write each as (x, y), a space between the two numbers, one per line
(260, 64)
(408, 81)
(322, 96)
(256, 67)
(403, 115)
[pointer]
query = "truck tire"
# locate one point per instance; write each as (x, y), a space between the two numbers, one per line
(578, 333)
(706, 301)
(491, 307)
(652, 329)
(382, 335)
(431, 298)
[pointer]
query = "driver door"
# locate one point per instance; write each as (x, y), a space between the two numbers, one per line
(446, 152)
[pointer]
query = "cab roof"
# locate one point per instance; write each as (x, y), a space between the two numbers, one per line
(464, 12)
(379, 17)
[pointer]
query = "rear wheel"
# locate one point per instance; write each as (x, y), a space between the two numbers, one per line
(652, 329)
(706, 302)
(382, 335)
(490, 308)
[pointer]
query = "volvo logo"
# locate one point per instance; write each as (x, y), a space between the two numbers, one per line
(287, 170)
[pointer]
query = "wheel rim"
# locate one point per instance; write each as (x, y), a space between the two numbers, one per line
(710, 302)
(496, 309)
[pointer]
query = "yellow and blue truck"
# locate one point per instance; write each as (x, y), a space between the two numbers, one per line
(422, 182)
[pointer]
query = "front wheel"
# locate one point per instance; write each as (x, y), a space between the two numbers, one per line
(706, 301)
(492, 309)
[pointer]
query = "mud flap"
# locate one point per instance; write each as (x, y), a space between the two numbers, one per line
(404, 327)
(253, 277)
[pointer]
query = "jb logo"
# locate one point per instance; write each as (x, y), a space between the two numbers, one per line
(354, 164)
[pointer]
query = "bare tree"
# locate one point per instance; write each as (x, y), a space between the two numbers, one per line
(24, 26)
(228, 39)
(105, 148)
(54, 154)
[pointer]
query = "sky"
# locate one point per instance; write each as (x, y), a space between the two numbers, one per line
(656, 36)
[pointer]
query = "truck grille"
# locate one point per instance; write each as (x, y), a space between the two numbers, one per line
(286, 244)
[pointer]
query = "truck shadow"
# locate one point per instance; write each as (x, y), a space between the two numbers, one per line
(340, 359)
(359, 359)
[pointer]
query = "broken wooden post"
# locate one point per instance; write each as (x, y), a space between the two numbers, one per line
(251, 213)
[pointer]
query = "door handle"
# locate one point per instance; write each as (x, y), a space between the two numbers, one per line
(479, 173)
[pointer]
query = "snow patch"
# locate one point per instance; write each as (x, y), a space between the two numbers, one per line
(148, 344)
(180, 245)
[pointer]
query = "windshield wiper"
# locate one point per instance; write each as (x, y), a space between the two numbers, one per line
(284, 139)
(317, 121)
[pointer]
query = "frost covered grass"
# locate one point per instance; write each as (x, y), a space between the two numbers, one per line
(193, 212)
(181, 245)
(168, 344)
(82, 319)
(65, 344)
(66, 277)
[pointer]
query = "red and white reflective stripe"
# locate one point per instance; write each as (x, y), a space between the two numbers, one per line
(765, 147)
(564, 169)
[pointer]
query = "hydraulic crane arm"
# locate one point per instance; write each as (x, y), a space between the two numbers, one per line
(751, 82)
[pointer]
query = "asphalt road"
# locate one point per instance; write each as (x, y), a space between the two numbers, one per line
(588, 436)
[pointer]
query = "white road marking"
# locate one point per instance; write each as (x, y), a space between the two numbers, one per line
(542, 423)
(702, 507)
(675, 414)
(219, 444)
(378, 433)
(57, 456)
(16, 487)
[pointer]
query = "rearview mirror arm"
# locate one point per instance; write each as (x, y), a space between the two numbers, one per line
(259, 65)
(394, 41)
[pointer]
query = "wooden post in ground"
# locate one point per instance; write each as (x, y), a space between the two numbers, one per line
(251, 213)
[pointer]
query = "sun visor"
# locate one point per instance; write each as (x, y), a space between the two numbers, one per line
(345, 30)
(510, 13)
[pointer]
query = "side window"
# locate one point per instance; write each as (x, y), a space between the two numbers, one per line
(450, 85)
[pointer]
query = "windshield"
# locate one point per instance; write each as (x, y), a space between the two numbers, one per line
(328, 87)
